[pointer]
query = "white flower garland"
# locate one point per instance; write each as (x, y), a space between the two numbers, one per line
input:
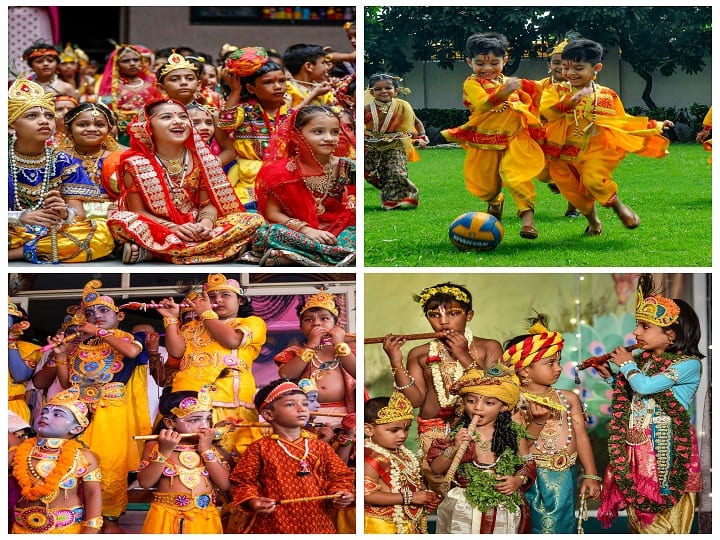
(437, 348)
(410, 469)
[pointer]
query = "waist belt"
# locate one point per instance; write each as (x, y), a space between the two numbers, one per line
(184, 501)
(561, 461)
(39, 519)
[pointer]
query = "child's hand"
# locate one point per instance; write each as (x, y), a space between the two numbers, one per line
(315, 336)
(620, 355)
(421, 141)
(507, 485)
(202, 304)
(321, 89)
(428, 499)
(511, 85)
(205, 438)
(337, 334)
(325, 434)
(170, 309)
(344, 500)
(539, 413)
(591, 488)
(461, 436)
(667, 124)
(456, 342)
(168, 439)
(324, 237)
(391, 346)
(604, 370)
(262, 505)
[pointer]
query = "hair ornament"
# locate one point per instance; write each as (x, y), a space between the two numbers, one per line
(399, 408)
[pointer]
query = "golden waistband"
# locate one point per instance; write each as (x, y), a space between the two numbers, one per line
(184, 501)
(561, 461)
(39, 519)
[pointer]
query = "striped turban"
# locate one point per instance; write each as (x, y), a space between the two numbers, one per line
(540, 344)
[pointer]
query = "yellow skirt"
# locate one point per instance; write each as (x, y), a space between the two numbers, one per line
(79, 242)
(164, 518)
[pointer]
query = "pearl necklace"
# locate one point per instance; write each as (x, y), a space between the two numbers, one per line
(27, 192)
(437, 348)
(302, 460)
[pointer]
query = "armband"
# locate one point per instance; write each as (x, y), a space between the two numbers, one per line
(93, 523)
(209, 456)
(449, 452)
(93, 476)
(342, 350)
(209, 315)
(308, 355)
(168, 321)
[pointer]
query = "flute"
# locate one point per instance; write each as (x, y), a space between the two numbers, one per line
(218, 435)
(595, 361)
(450, 473)
(407, 337)
(143, 306)
(66, 339)
(308, 499)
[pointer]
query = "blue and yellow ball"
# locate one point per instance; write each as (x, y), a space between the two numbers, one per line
(476, 231)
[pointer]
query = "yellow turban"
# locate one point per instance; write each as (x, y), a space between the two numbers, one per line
(497, 381)
(24, 95)
(541, 344)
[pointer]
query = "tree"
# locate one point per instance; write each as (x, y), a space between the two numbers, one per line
(650, 39)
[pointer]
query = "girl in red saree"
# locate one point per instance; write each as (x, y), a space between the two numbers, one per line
(306, 194)
(176, 203)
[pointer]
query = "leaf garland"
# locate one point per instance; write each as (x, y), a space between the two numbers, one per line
(682, 442)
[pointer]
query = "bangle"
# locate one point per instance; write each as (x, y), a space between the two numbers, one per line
(593, 477)
(408, 385)
(93, 523)
(420, 135)
(407, 495)
(344, 440)
(523, 478)
(630, 374)
(394, 370)
(626, 362)
(538, 423)
(342, 350)
(209, 456)
(308, 355)
(209, 315)
(168, 321)
(65, 363)
(295, 224)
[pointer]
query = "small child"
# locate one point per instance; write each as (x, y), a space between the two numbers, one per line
(588, 133)
(309, 66)
(53, 469)
(288, 478)
(555, 420)
(391, 127)
(499, 136)
(396, 501)
(650, 424)
(492, 471)
(185, 472)
(204, 123)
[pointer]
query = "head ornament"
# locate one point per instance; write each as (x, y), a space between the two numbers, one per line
(245, 62)
(70, 399)
(92, 298)
(656, 309)
(68, 54)
(174, 62)
(321, 300)
(218, 282)
(13, 309)
(399, 408)
(282, 389)
(190, 405)
(24, 95)
(497, 381)
(541, 343)
(450, 290)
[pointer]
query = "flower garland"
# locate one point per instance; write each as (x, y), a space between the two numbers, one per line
(32, 490)
(406, 466)
(681, 446)
(437, 354)
(481, 492)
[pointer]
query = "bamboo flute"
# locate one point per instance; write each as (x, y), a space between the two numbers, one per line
(407, 337)
(594, 361)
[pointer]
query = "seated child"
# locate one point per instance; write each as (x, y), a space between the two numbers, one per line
(396, 498)
(53, 469)
(492, 473)
(290, 480)
(186, 504)
(309, 66)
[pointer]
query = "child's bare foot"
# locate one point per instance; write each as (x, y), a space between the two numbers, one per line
(528, 229)
(594, 227)
(626, 214)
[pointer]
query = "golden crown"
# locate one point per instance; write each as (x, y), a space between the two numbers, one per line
(218, 282)
(68, 54)
(24, 95)
(322, 300)
(656, 309)
(70, 399)
(455, 292)
(307, 385)
(92, 298)
(174, 62)
(399, 408)
(74, 317)
(13, 309)
(190, 405)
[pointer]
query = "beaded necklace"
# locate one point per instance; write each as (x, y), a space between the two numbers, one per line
(547, 441)
(24, 194)
(301, 460)
(445, 369)
(586, 110)
(176, 189)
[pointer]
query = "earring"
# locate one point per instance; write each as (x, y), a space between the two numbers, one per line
(525, 381)
(13, 138)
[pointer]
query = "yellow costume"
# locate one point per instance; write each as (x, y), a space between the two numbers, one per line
(707, 126)
(500, 149)
(299, 90)
(182, 513)
(585, 143)
(30, 353)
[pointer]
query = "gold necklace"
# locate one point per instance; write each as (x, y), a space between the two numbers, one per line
(323, 186)
(383, 107)
(90, 163)
(174, 166)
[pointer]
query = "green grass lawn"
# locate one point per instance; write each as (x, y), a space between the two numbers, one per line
(672, 196)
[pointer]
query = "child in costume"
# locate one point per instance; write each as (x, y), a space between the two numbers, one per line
(23, 358)
(704, 136)
(486, 497)
(391, 127)
(588, 133)
(555, 420)
(396, 501)
(432, 368)
(53, 469)
(290, 480)
(309, 66)
(186, 471)
(106, 365)
(654, 469)
(326, 358)
(218, 349)
(499, 136)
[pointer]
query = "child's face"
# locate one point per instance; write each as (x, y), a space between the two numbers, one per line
(35, 125)
(579, 74)
(487, 65)
(62, 106)
(228, 303)
(192, 423)
(316, 317)
(181, 84)
(68, 69)
(290, 411)
(450, 316)
(487, 408)
(170, 124)
(313, 403)
(556, 67)
(129, 64)
(651, 337)
(44, 66)
(209, 76)
(103, 317)
(203, 122)
(391, 436)
(383, 91)
(56, 422)
(352, 36)
(318, 70)
(545, 371)
(90, 128)
(322, 133)
(269, 88)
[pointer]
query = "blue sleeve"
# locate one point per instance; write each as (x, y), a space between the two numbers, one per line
(686, 372)
(19, 370)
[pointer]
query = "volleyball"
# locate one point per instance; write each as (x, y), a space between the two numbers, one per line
(476, 231)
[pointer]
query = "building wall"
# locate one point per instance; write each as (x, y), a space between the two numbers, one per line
(436, 88)
(157, 27)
